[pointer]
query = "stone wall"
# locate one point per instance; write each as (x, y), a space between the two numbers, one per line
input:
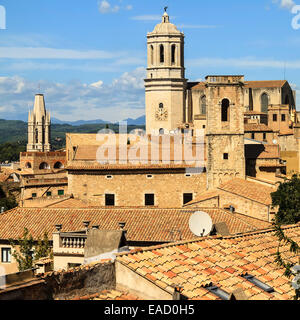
(84, 280)
(130, 188)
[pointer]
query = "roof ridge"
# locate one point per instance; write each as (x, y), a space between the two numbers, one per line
(201, 239)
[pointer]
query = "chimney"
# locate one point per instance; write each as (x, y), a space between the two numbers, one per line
(122, 225)
(86, 225)
(58, 227)
(177, 295)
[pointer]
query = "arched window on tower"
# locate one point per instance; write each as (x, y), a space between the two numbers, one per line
(162, 53)
(225, 110)
(151, 55)
(264, 103)
(36, 136)
(173, 53)
(203, 105)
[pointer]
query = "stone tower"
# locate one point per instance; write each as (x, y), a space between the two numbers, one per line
(165, 84)
(225, 129)
(39, 127)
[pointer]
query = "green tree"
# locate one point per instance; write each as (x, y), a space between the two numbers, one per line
(283, 262)
(43, 248)
(26, 252)
(23, 251)
(287, 198)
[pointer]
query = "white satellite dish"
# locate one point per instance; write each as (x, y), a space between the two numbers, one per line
(200, 224)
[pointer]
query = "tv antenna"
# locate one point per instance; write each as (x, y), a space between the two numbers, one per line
(200, 224)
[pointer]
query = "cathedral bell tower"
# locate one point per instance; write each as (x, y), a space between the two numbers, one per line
(39, 127)
(225, 129)
(165, 86)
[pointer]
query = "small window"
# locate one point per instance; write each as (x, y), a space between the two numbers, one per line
(28, 165)
(58, 165)
(264, 136)
(187, 197)
(34, 195)
(275, 117)
(49, 193)
(149, 176)
(44, 166)
(283, 117)
(218, 292)
(149, 199)
(6, 255)
(188, 175)
(225, 156)
(161, 106)
(109, 177)
(253, 136)
(109, 199)
(258, 283)
(61, 192)
(203, 127)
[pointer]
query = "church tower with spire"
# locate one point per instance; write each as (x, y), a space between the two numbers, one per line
(165, 85)
(39, 127)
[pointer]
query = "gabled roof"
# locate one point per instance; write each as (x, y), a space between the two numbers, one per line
(142, 224)
(250, 190)
(218, 260)
(265, 84)
(262, 151)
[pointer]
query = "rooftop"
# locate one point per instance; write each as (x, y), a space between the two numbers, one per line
(221, 261)
(248, 189)
(142, 224)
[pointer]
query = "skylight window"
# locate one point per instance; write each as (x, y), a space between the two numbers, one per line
(218, 292)
(258, 283)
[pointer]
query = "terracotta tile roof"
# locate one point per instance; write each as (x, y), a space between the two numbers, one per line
(250, 190)
(207, 195)
(70, 203)
(262, 151)
(218, 260)
(199, 86)
(108, 295)
(257, 127)
(265, 84)
(151, 225)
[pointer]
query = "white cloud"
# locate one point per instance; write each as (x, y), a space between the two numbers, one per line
(122, 98)
(285, 4)
(97, 84)
(51, 53)
(106, 7)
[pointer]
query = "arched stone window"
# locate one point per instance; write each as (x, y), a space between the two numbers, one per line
(173, 53)
(203, 105)
(44, 166)
(151, 54)
(58, 165)
(162, 53)
(36, 136)
(161, 131)
(28, 165)
(161, 106)
(225, 110)
(264, 103)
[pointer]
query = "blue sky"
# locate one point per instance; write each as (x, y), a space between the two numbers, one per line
(89, 57)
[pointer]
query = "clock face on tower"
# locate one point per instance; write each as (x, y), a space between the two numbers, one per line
(161, 114)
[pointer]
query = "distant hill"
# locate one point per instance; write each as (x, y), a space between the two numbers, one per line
(79, 122)
(16, 131)
(138, 122)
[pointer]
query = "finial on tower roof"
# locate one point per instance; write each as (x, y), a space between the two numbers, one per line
(165, 16)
